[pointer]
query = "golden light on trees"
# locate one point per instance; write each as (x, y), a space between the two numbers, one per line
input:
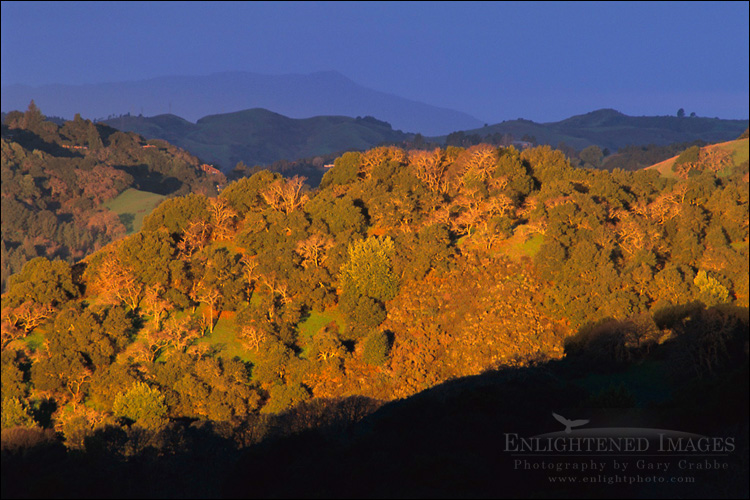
(155, 305)
(222, 218)
(477, 162)
(250, 266)
(251, 337)
(118, 283)
(75, 385)
(285, 195)
(313, 249)
(373, 158)
(9, 329)
(29, 315)
(208, 295)
(194, 238)
(429, 167)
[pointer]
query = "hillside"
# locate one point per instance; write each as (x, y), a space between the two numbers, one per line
(608, 128)
(261, 137)
(367, 334)
(717, 157)
(57, 182)
(193, 97)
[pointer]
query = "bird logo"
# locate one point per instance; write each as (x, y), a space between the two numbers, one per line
(569, 423)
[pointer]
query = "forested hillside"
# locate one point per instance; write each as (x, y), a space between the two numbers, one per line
(57, 180)
(262, 137)
(402, 271)
(258, 137)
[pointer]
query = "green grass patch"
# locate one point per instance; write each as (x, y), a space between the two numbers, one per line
(522, 244)
(317, 320)
(666, 168)
(224, 339)
(132, 205)
(740, 151)
(532, 245)
(35, 340)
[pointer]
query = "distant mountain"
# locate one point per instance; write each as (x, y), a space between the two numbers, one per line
(608, 128)
(192, 97)
(261, 137)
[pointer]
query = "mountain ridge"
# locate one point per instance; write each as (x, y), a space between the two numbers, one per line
(259, 136)
(294, 95)
(609, 128)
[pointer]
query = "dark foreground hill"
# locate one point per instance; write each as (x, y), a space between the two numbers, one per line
(261, 137)
(608, 128)
(461, 439)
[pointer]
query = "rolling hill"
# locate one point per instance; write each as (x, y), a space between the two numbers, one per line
(261, 137)
(608, 128)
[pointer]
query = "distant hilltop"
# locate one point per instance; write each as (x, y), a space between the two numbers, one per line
(192, 97)
(261, 137)
(606, 128)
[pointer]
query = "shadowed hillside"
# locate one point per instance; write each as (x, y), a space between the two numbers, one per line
(261, 137)
(58, 182)
(459, 439)
(608, 128)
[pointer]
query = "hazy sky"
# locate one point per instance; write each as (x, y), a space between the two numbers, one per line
(542, 61)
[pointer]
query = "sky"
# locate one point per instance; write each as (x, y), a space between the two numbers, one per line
(543, 61)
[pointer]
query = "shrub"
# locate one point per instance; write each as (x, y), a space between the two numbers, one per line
(143, 405)
(376, 347)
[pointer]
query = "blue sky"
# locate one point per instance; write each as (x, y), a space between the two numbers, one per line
(542, 61)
